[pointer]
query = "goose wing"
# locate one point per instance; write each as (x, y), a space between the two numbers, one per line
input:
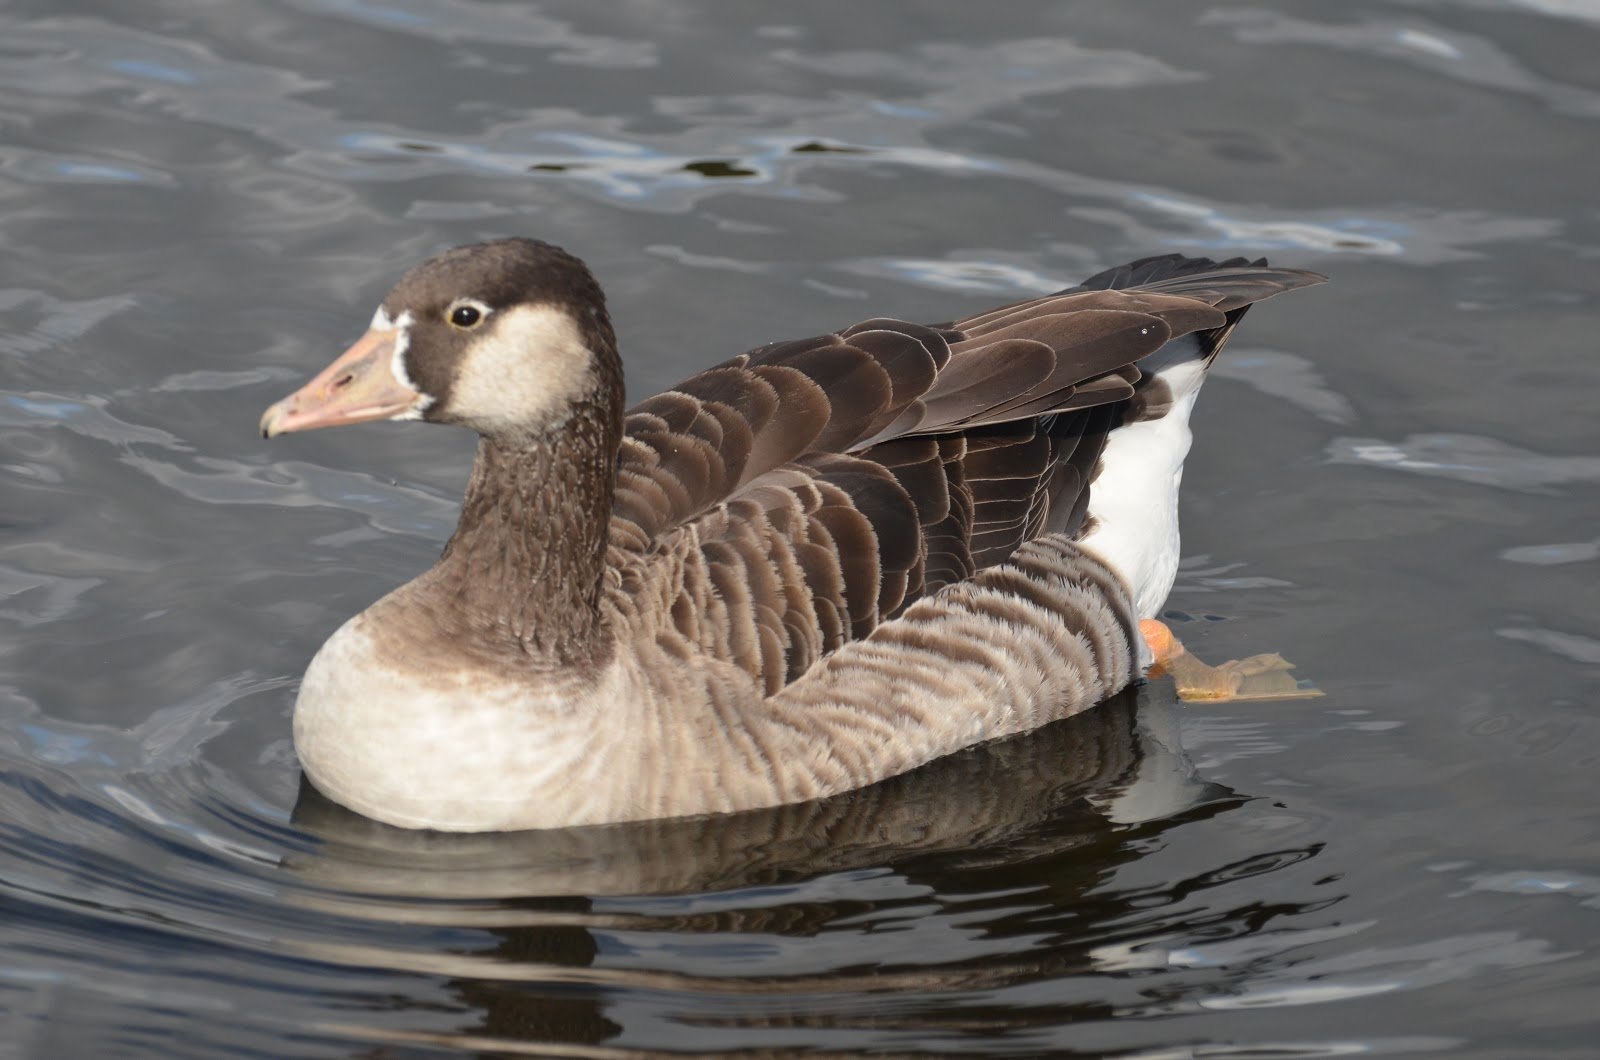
(830, 482)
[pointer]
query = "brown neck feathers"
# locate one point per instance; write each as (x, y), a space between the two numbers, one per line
(522, 574)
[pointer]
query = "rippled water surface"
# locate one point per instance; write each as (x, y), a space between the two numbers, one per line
(1395, 485)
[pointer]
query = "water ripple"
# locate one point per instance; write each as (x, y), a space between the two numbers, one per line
(1457, 55)
(54, 321)
(1573, 646)
(1468, 458)
(1288, 377)
(1551, 555)
(449, 21)
(57, 168)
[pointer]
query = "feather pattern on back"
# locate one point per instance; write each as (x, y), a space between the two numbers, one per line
(831, 482)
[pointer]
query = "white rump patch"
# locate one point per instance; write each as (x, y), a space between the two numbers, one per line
(1134, 501)
(526, 369)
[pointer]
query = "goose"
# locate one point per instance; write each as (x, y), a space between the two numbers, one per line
(814, 566)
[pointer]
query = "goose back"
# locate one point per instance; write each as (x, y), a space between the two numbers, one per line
(814, 489)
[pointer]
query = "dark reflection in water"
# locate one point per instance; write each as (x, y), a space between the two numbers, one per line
(1051, 814)
(988, 803)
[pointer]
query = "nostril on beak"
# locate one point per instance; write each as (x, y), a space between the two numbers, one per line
(344, 381)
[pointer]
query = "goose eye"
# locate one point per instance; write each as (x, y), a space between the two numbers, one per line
(465, 315)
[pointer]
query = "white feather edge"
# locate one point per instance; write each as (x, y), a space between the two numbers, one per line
(381, 321)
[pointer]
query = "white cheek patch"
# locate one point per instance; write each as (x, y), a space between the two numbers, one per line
(524, 371)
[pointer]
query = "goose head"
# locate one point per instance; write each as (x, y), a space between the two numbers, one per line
(507, 338)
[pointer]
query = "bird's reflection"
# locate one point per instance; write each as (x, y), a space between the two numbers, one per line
(1050, 814)
(1060, 785)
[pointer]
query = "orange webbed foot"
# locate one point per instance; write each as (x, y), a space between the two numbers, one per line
(1255, 678)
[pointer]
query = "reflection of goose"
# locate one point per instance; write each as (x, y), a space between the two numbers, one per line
(1009, 856)
(815, 566)
(1116, 765)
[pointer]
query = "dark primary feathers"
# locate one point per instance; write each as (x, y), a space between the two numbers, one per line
(833, 481)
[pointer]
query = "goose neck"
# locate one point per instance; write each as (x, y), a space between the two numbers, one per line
(524, 569)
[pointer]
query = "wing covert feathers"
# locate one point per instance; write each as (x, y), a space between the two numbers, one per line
(1021, 644)
(836, 482)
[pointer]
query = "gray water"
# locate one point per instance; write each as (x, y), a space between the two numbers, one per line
(1394, 485)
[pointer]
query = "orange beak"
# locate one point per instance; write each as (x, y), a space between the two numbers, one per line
(360, 385)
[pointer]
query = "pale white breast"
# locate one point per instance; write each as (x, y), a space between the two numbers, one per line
(1134, 501)
(457, 750)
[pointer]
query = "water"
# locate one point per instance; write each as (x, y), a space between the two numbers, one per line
(1394, 485)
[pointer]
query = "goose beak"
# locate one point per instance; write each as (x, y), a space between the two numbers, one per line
(360, 385)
